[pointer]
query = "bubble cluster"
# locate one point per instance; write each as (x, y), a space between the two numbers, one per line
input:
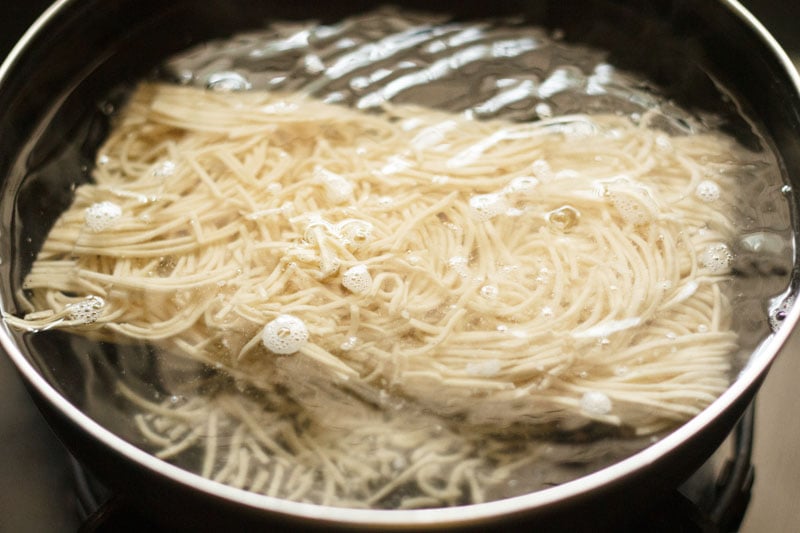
(596, 403)
(284, 335)
(102, 216)
(633, 203)
(717, 258)
(707, 191)
(353, 232)
(86, 311)
(487, 206)
(357, 279)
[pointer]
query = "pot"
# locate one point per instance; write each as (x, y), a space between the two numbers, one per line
(80, 51)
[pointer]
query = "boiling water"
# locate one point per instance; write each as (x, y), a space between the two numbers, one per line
(490, 69)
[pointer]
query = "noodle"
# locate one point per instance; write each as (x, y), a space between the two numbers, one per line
(509, 274)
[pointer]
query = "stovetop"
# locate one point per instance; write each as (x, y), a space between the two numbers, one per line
(38, 480)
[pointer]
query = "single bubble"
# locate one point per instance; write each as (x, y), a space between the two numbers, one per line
(543, 110)
(662, 142)
(489, 292)
(779, 310)
(227, 81)
(522, 184)
(596, 403)
(564, 218)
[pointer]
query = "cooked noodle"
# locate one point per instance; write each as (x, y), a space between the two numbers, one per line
(510, 274)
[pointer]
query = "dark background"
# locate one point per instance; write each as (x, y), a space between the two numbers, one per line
(35, 482)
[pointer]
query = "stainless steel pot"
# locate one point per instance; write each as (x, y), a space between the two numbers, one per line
(79, 50)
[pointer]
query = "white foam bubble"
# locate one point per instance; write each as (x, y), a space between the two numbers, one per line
(284, 335)
(102, 216)
(353, 232)
(717, 258)
(357, 279)
(633, 202)
(543, 110)
(596, 403)
(487, 206)
(460, 264)
(707, 191)
(663, 143)
(86, 311)
(489, 292)
(522, 184)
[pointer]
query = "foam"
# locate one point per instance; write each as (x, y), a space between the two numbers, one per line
(102, 216)
(86, 311)
(717, 258)
(284, 335)
(357, 279)
(596, 403)
(707, 191)
(487, 206)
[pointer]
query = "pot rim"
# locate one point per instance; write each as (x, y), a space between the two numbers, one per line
(746, 383)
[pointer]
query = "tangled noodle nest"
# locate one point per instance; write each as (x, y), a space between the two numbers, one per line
(508, 274)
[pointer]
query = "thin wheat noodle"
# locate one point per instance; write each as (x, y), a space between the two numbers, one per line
(507, 273)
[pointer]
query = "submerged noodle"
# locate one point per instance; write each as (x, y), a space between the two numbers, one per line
(508, 274)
